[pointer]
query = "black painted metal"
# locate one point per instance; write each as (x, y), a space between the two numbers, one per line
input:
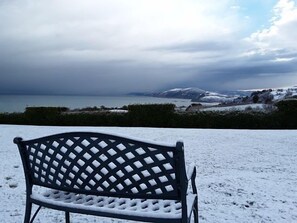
(35, 214)
(67, 217)
(105, 165)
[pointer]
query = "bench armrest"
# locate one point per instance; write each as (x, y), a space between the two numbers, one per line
(191, 175)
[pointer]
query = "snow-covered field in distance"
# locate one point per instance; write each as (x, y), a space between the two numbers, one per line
(257, 107)
(243, 175)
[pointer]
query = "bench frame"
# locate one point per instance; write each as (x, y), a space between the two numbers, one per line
(183, 178)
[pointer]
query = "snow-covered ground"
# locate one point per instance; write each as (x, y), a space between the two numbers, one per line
(243, 175)
(257, 107)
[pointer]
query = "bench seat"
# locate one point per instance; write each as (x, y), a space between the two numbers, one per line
(150, 208)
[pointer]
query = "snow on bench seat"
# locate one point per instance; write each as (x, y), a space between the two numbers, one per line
(168, 209)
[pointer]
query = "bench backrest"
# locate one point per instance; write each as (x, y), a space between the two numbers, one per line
(102, 164)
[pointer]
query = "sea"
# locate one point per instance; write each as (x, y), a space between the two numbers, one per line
(18, 103)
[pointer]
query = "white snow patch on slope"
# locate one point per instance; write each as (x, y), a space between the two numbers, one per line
(258, 107)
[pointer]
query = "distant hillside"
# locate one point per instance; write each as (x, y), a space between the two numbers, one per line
(239, 96)
(186, 93)
(272, 95)
(199, 95)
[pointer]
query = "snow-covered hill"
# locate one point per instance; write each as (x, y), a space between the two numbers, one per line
(186, 93)
(199, 95)
(240, 96)
(215, 97)
(275, 94)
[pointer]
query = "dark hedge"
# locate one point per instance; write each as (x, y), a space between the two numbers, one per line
(156, 115)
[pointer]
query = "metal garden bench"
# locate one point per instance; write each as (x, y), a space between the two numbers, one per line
(110, 176)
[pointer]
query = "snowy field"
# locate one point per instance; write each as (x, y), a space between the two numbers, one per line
(257, 107)
(243, 175)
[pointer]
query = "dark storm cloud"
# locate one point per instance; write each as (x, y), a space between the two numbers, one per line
(243, 74)
(111, 47)
(43, 76)
(255, 69)
(108, 78)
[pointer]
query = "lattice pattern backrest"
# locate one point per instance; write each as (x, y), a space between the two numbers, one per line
(103, 164)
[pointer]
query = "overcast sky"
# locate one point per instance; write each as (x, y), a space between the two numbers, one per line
(121, 46)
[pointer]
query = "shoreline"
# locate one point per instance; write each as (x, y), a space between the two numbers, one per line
(18, 103)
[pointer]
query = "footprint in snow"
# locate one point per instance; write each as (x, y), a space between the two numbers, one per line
(13, 185)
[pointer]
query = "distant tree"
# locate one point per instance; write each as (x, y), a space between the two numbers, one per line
(255, 98)
(269, 99)
(287, 106)
(245, 99)
(249, 108)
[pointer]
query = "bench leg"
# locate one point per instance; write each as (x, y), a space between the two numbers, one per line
(28, 212)
(196, 216)
(67, 217)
